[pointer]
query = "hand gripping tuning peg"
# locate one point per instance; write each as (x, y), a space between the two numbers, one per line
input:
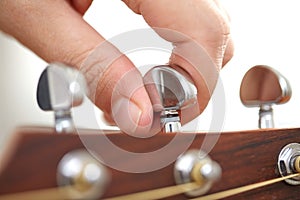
(59, 89)
(169, 91)
(263, 87)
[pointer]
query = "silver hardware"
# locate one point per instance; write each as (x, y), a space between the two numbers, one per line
(170, 121)
(265, 117)
(195, 165)
(263, 87)
(286, 162)
(170, 92)
(59, 89)
(87, 176)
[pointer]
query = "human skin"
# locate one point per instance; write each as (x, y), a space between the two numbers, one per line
(56, 31)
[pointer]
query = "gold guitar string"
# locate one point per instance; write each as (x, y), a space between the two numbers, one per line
(297, 164)
(45, 194)
(242, 189)
(159, 193)
(63, 193)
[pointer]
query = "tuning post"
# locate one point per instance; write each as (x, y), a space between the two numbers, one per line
(85, 175)
(170, 92)
(289, 162)
(60, 88)
(197, 166)
(263, 87)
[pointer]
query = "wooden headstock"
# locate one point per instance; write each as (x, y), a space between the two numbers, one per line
(245, 157)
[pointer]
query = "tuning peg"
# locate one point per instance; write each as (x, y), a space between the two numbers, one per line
(83, 175)
(197, 166)
(169, 92)
(59, 89)
(263, 87)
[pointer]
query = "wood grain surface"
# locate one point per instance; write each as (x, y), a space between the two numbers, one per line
(245, 157)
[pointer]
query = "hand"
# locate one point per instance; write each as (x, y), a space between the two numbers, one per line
(55, 30)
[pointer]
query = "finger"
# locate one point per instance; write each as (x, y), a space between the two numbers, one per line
(230, 45)
(222, 9)
(120, 85)
(56, 32)
(81, 6)
(229, 51)
(108, 119)
(199, 32)
(52, 29)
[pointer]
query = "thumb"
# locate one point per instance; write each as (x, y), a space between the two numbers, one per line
(57, 33)
(117, 88)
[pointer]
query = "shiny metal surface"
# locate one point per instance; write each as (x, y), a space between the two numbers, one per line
(169, 92)
(170, 121)
(59, 89)
(263, 87)
(207, 171)
(286, 162)
(87, 176)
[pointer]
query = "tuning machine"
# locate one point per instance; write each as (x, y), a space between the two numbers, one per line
(169, 91)
(263, 87)
(289, 162)
(84, 175)
(60, 88)
(197, 166)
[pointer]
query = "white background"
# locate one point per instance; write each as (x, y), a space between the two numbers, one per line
(264, 32)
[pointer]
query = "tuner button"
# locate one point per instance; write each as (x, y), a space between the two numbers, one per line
(169, 92)
(61, 87)
(85, 175)
(197, 166)
(209, 170)
(263, 87)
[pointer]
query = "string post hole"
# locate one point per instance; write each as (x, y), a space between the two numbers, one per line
(170, 92)
(197, 166)
(289, 162)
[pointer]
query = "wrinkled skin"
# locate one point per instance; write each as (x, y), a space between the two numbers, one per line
(56, 31)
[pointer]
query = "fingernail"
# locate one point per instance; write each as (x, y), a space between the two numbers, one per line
(131, 119)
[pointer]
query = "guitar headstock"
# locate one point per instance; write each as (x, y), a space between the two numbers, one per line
(99, 164)
(244, 157)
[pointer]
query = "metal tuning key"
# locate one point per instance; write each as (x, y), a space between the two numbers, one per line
(59, 89)
(263, 87)
(197, 166)
(86, 177)
(289, 162)
(169, 92)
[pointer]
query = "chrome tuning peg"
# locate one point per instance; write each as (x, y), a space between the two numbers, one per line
(169, 92)
(59, 89)
(197, 166)
(263, 87)
(84, 176)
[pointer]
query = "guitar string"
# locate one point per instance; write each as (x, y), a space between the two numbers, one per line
(45, 194)
(242, 189)
(155, 194)
(159, 193)
(64, 192)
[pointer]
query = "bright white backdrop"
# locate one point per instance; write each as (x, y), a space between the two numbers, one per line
(264, 32)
